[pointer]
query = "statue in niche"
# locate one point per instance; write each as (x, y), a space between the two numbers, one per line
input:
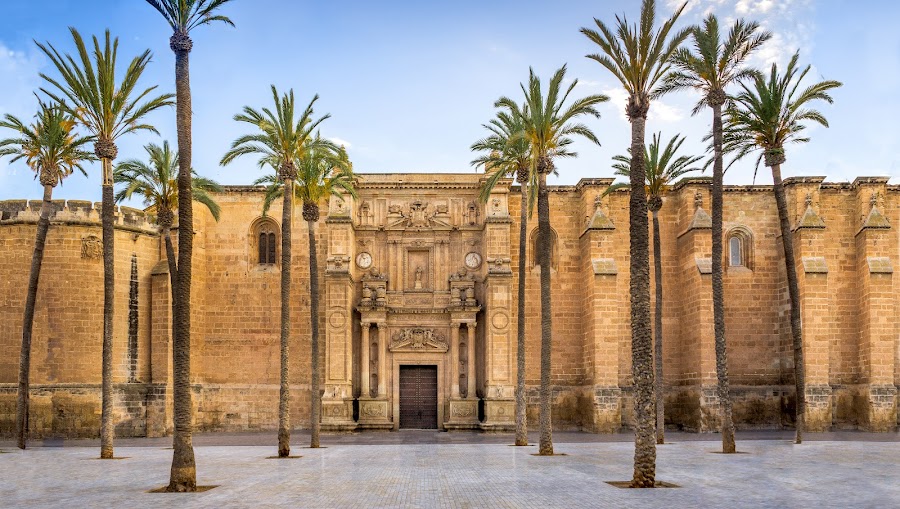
(472, 215)
(419, 272)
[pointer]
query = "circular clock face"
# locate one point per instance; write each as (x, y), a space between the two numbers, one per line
(473, 260)
(364, 260)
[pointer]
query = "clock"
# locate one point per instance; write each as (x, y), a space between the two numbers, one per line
(364, 260)
(473, 260)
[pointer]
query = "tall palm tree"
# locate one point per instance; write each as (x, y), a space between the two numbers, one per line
(638, 57)
(663, 169)
(52, 149)
(549, 125)
(183, 16)
(280, 143)
(507, 152)
(709, 69)
(108, 111)
(323, 170)
(156, 182)
(765, 116)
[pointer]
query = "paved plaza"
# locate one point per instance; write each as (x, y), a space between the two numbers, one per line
(461, 470)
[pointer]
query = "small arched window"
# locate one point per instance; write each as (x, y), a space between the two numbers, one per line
(735, 251)
(264, 248)
(554, 249)
(740, 247)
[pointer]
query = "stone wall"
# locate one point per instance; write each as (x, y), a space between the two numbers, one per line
(846, 245)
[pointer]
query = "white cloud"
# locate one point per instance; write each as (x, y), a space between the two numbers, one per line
(341, 142)
(20, 78)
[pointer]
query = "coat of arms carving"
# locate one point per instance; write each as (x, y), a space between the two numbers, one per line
(418, 339)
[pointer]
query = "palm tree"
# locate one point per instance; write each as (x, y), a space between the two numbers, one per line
(157, 183)
(663, 169)
(638, 57)
(323, 170)
(52, 149)
(280, 143)
(766, 116)
(713, 66)
(183, 16)
(507, 152)
(108, 111)
(549, 125)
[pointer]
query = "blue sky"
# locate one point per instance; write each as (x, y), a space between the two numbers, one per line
(408, 84)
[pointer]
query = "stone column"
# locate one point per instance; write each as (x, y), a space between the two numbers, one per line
(470, 361)
(382, 361)
(454, 360)
(365, 375)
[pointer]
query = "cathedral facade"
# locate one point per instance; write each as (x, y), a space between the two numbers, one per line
(418, 302)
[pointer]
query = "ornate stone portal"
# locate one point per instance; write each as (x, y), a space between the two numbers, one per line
(414, 297)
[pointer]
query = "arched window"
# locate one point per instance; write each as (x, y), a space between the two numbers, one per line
(554, 249)
(740, 247)
(735, 251)
(264, 242)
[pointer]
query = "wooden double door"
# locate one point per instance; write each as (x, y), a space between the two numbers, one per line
(418, 397)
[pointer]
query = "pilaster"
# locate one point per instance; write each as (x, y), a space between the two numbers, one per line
(605, 312)
(499, 345)
(337, 399)
(878, 332)
(697, 379)
(809, 238)
(159, 393)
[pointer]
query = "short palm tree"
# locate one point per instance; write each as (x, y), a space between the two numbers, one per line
(549, 127)
(638, 56)
(709, 69)
(506, 152)
(281, 141)
(323, 170)
(765, 116)
(663, 169)
(156, 182)
(183, 16)
(52, 149)
(108, 111)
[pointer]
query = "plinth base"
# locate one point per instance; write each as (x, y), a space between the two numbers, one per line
(463, 414)
(373, 414)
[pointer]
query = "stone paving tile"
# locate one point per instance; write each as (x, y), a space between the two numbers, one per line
(773, 474)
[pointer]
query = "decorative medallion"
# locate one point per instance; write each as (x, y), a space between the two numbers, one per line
(473, 260)
(364, 260)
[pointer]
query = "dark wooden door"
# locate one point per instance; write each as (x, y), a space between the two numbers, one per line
(418, 397)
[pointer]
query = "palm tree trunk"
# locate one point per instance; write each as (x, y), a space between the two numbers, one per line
(658, 336)
(183, 475)
(107, 427)
(543, 253)
(28, 321)
(284, 396)
(718, 287)
(641, 337)
(521, 408)
(166, 233)
(314, 328)
(794, 294)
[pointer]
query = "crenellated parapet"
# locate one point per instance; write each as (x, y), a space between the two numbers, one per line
(76, 212)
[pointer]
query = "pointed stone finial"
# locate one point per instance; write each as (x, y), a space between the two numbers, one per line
(597, 202)
(873, 201)
(698, 200)
(809, 199)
